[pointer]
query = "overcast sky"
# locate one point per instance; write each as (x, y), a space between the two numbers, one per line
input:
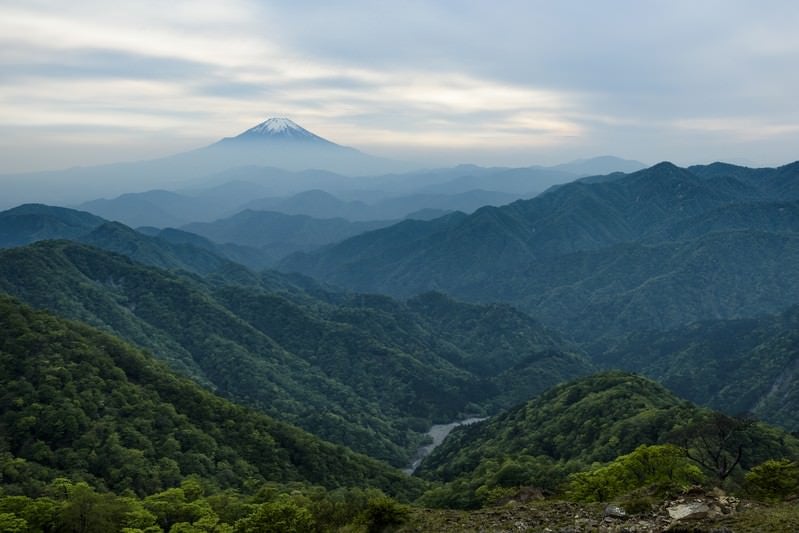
(491, 82)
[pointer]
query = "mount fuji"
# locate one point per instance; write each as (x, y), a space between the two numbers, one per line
(278, 129)
(274, 146)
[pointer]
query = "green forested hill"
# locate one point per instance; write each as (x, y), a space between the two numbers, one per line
(571, 426)
(182, 323)
(80, 403)
(737, 366)
(649, 250)
(365, 371)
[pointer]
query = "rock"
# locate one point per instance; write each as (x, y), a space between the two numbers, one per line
(688, 511)
(614, 511)
(729, 504)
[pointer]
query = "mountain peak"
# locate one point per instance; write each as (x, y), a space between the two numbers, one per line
(280, 128)
(276, 125)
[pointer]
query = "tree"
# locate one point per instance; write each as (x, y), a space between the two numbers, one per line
(715, 443)
(10, 523)
(281, 516)
(86, 511)
(664, 465)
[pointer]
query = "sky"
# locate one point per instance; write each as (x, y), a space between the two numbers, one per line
(439, 82)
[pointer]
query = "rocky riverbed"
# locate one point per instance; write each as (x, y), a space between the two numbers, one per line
(437, 433)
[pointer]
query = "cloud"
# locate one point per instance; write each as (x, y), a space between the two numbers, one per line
(539, 79)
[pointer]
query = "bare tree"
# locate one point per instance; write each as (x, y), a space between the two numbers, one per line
(715, 443)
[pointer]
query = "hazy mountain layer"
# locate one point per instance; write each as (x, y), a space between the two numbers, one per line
(291, 148)
(652, 249)
(278, 231)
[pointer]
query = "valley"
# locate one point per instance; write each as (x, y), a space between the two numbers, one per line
(436, 434)
(440, 350)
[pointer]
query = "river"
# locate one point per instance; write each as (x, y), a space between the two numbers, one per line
(438, 433)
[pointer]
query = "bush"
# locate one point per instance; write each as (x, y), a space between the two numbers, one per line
(382, 512)
(662, 465)
(774, 479)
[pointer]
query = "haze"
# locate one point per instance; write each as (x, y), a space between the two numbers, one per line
(514, 83)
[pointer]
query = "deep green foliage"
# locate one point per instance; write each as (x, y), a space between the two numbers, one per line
(192, 508)
(774, 479)
(277, 517)
(665, 465)
(364, 371)
(79, 403)
(382, 512)
(736, 366)
(569, 428)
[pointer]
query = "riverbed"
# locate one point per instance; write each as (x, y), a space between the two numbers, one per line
(438, 433)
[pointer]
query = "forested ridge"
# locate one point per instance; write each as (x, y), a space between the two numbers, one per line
(82, 404)
(654, 249)
(365, 371)
(576, 426)
(739, 366)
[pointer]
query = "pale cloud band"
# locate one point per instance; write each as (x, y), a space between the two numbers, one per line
(527, 83)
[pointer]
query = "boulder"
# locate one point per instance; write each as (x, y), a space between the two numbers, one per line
(614, 511)
(688, 511)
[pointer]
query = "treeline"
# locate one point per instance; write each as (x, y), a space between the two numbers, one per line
(193, 507)
(572, 440)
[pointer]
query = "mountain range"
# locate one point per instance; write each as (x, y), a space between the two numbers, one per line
(275, 158)
(632, 251)
(166, 378)
(275, 143)
(310, 358)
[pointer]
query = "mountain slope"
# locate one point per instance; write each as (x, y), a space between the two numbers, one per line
(737, 366)
(169, 249)
(28, 223)
(153, 251)
(280, 142)
(185, 326)
(83, 404)
(601, 165)
(153, 208)
(278, 231)
(571, 426)
(368, 372)
(321, 204)
(596, 253)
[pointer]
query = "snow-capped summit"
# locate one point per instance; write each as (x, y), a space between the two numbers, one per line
(281, 143)
(279, 128)
(275, 125)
